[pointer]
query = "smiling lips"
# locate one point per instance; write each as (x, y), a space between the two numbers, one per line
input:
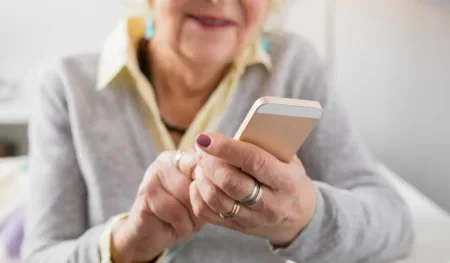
(211, 22)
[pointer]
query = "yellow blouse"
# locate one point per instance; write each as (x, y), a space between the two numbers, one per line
(119, 55)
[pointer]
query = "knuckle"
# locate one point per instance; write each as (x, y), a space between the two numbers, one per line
(282, 215)
(175, 215)
(178, 220)
(149, 173)
(159, 164)
(254, 163)
(164, 159)
(270, 215)
(229, 182)
(291, 187)
(155, 170)
(147, 190)
(142, 209)
(276, 214)
(157, 207)
(173, 212)
(142, 192)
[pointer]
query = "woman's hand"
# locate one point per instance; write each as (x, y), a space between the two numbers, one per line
(226, 172)
(161, 215)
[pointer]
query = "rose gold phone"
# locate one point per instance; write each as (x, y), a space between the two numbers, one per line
(279, 125)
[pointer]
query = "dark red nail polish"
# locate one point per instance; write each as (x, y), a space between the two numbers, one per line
(204, 140)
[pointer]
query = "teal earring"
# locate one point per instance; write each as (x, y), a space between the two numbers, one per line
(150, 28)
(266, 45)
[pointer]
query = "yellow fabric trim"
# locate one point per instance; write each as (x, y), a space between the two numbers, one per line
(105, 238)
(160, 258)
(117, 56)
(113, 56)
(104, 244)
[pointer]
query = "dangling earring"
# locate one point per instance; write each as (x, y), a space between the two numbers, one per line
(150, 27)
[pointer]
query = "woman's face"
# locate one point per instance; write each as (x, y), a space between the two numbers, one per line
(208, 31)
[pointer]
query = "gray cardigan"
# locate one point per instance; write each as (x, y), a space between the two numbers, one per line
(89, 150)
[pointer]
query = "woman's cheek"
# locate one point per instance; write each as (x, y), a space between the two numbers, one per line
(255, 14)
(256, 11)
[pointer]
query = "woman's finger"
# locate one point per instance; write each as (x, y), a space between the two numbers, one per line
(187, 163)
(214, 197)
(201, 209)
(220, 203)
(168, 209)
(176, 184)
(144, 219)
(232, 181)
(245, 156)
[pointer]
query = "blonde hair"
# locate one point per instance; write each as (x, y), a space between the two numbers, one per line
(274, 21)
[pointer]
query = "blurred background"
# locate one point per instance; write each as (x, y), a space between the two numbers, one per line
(390, 60)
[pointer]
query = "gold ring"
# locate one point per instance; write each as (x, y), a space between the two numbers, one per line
(233, 213)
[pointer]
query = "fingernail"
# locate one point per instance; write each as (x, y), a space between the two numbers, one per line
(203, 140)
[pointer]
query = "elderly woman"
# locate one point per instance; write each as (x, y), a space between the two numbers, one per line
(108, 184)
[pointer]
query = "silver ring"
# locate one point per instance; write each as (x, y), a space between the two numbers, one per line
(252, 195)
(233, 213)
(259, 195)
(178, 157)
(255, 195)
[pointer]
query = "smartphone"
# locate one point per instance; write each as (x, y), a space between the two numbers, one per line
(279, 125)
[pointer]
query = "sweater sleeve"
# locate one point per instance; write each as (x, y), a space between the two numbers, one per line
(56, 228)
(359, 217)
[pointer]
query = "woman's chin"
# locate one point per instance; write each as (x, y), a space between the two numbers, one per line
(205, 55)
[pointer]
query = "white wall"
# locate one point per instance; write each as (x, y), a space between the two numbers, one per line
(34, 32)
(392, 65)
(391, 62)
(309, 18)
